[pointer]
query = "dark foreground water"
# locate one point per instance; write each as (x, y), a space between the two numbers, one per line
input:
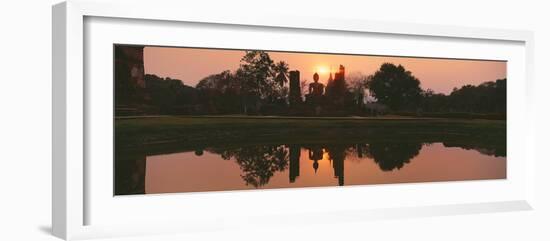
(263, 166)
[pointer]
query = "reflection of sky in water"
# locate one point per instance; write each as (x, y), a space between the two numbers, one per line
(187, 172)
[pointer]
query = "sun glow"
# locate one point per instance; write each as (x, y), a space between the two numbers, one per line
(322, 70)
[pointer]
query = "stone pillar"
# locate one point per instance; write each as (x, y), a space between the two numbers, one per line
(295, 94)
(129, 75)
(132, 58)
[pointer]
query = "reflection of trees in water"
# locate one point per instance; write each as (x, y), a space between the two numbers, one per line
(495, 150)
(356, 152)
(258, 163)
(393, 155)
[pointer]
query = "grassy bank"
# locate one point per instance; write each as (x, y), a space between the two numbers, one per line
(189, 132)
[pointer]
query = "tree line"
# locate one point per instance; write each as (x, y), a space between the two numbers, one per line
(259, 87)
(399, 89)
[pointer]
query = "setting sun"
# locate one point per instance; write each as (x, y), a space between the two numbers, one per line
(322, 70)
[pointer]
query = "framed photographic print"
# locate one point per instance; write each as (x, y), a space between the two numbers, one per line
(358, 120)
(180, 115)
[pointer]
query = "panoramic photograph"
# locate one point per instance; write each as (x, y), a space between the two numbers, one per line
(204, 119)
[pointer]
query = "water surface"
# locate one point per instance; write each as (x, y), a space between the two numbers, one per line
(264, 166)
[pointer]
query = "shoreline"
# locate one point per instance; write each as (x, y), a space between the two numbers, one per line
(214, 130)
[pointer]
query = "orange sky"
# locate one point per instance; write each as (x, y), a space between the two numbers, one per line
(441, 75)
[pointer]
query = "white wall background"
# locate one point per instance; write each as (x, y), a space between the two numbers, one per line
(25, 121)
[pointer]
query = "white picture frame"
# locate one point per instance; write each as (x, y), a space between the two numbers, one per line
(73, 187)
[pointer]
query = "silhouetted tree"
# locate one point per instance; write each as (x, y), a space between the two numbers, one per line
(357, 84)
(395, 87)
(257, 68)
(434, 102)
(303, 87)
(261, 79)
(221, 92)
(169, 95)
(281, 70)
(488, 97)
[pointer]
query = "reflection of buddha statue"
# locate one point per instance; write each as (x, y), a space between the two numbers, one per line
(316, 89)
(315, 154)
